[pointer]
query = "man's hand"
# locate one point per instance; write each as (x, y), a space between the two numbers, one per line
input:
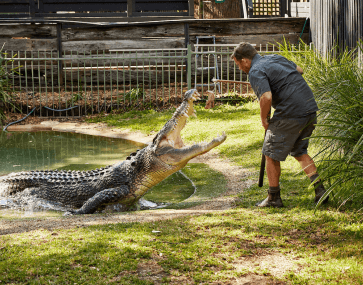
(300, 70)
(265, 124)
(265, 106)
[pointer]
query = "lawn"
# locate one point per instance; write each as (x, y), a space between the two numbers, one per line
(313, 246)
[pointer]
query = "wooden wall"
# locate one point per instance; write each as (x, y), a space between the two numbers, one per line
(38, 40)
(163, 34)
(211, 10)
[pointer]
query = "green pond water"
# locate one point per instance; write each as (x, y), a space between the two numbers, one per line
(70, 151)
(58, 150)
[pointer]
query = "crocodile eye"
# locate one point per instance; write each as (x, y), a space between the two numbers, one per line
(128, 158)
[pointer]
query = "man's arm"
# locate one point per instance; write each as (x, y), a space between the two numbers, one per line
(299, 69)
(265, 106)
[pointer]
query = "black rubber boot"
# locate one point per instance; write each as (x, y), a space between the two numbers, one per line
(319, 189)
(273, 199)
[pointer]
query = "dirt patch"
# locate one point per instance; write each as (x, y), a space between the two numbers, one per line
(254, 279)
(151, 271)
(275, 264)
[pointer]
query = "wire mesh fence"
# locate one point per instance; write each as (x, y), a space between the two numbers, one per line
(213, 70)
(76, 84)
(80, 83)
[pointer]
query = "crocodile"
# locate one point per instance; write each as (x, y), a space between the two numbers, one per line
(125, 182)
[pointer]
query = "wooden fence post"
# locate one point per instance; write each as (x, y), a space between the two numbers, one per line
(32, 8)
(130, 8)
(191, 8)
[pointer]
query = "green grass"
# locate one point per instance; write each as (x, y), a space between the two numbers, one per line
(321, 246)
(326, 248)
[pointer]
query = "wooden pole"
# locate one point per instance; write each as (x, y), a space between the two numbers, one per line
(244, 9)
(191, 8)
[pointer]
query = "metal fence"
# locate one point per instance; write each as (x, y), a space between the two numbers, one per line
(99, 81)
(77, 84)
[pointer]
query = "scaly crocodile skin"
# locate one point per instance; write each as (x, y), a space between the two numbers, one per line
(124, 182)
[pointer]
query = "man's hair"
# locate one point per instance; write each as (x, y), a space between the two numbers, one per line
(244, 50)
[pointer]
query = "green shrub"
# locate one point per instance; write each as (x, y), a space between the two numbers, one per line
(337, 83)
(133, 95)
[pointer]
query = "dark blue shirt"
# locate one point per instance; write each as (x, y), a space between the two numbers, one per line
(291, 95)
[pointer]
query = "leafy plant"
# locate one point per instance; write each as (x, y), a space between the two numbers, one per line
(132, 95)
(337, 82)
(78, 95)
(232, 95)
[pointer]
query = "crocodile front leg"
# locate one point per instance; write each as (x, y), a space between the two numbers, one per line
(101, 199)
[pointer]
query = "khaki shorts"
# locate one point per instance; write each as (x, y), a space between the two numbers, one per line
(288, 136)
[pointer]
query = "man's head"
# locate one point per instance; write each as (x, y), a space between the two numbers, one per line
(243, 55)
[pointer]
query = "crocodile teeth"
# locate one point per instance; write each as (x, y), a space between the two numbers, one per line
(186, 115)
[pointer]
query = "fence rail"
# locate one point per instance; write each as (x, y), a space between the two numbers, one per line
(77, 83)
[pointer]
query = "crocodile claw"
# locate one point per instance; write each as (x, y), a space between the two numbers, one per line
(70, 213)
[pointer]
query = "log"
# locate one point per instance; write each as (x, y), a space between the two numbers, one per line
(220, 27)
(31, 31)
(123, 32)
(107, 45)
(29, 44)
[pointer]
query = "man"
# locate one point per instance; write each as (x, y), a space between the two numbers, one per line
(278, 82)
